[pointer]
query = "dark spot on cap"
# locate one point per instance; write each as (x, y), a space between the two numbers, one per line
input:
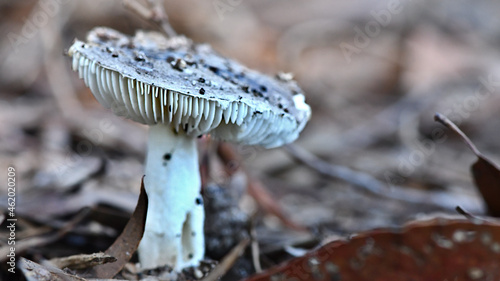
(213, 69)
(201, 80)
(167, 156)
(263, 88)
(190, 256)
(170, 59)
(245, 88)
(199, 201)
(193, 233)
(280, 105)
(202, 91)
(286, 110)
(115, 55)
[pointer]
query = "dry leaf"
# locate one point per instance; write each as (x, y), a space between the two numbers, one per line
(82, 261)
(128, 241)
(36, 272)
(437, 249)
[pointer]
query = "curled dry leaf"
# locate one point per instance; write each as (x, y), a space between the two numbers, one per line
(438, 249)
(128, 241)
(486, 173)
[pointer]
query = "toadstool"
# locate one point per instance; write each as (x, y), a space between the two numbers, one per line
(182, 91)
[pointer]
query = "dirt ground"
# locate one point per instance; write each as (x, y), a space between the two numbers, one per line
(374, 74)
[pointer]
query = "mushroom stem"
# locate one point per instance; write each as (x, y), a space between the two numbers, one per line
(174, 225)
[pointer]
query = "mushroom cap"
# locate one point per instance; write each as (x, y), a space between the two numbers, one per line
(152, 80)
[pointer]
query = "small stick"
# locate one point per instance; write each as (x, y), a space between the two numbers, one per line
(38, 241)
(228, 261)
(155, 13)
(255, 248)
(450, 125)
(161, 17)
(363, 180)
(464, 213)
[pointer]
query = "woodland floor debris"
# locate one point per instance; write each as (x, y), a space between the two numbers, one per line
(372, 114)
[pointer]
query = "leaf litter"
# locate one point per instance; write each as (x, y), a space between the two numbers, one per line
(369, 116)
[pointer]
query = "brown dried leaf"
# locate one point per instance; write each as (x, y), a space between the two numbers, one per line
(82, 261)
(487, 179)
(36, 272)
(438, 249)
(486, 173)
(128, 241)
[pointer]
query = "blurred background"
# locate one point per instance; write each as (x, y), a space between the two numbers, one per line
(374, 73)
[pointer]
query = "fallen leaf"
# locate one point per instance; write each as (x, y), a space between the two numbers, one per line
(82, 261)
(36, 272)
(437, 249)
(128, 241)
(486, 173)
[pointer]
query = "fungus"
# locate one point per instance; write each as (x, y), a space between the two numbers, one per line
(177, 113)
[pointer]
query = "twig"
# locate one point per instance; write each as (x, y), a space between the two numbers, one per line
(227, 262)
(367, 182)
(358, 179)
(33, 242)
(255, 188)
(450, 125)
(255, 248)
(155, 13)
(161, 17)
(466, 214)
(55, 67)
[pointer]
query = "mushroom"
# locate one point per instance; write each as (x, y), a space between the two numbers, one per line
(182, 91)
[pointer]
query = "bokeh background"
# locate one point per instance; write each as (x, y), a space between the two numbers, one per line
(374, 73)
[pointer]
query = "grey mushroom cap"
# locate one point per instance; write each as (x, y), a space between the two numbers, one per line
(152, 80)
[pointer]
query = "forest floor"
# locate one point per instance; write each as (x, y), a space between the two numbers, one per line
(372, 156)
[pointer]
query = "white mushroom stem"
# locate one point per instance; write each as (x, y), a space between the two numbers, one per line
(174, 225)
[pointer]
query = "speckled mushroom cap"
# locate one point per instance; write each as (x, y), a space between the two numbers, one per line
(151, 79)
